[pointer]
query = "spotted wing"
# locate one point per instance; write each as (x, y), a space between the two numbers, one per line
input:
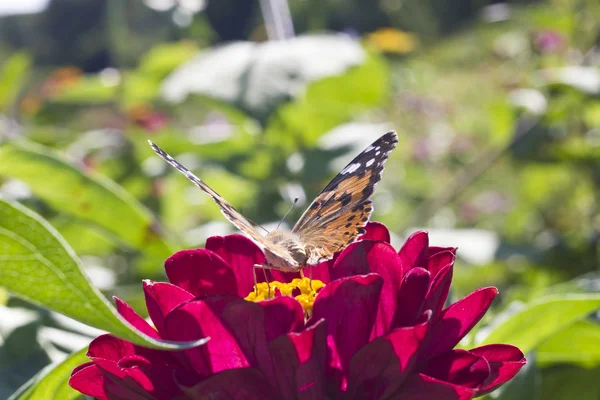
(340, 212)
(234, 216)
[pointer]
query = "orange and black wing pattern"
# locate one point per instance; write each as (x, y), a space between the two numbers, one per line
(340, 212)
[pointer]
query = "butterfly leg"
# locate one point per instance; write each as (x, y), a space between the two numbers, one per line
(255, 280)
(264, 269)
(268, 286)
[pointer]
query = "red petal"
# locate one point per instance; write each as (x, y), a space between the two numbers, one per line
(376, 231)
(379, 257)
(423, 387)
(89, 380)
(134, 319)
(195, 320)
(161, 299)
(411, 297)
(414, 251)
(241, 254)
(109, 347)
(282, 276)
(201, 272)
(246, 321)
(349, 307)
(120, 383)
(299, 361)
(324, 270)
(457, 320)
(282, 315)
(155, 378)
(505, 361)
(459, 367)
(379, 368)
(433, 250)
(244, 383)
(438, 292)
(440, 260)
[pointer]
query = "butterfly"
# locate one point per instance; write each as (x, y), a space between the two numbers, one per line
(334, 219)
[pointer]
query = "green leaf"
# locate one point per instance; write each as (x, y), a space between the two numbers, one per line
(12, 77)
(163, 58)
(86, 90)
(541, 319)
(564, 348)
(52, 382)
(39, 266)
(85, 195)
(85, 239)
(568, 383)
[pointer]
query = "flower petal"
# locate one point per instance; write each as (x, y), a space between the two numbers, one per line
(246, 383)
(246, 321)
(411, 297)
(459, 367)
(376, 231)
(241, 254)
(201, 272)
(440, 260)
(433, 250)
(283, 314)
(423, 387)
(457, 320)
(438, 291)
(123, 383)
(109, 347)
(156, 379)
(161, 299)
(324, 270)
(379, 257)
(378, 369)
(348, 305)
(282, 276)
(505, 361)
(414, 252)
(195, 320)
(299, 360)
(89, 380)
(134, 319)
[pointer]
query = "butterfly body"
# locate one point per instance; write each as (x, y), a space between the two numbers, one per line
(289, 244)
(334, 219)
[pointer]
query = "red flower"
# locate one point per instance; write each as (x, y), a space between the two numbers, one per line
(378, 330)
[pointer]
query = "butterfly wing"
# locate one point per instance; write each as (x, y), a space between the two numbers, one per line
(234, 216)
(340, 212)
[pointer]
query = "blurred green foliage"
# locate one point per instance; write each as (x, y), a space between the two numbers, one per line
(499, 121)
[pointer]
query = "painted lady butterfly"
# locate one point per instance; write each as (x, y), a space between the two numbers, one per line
(334, 219)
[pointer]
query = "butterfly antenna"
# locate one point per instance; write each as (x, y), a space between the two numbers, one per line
(287, 213)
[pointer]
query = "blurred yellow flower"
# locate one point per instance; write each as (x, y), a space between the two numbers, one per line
(391, 40)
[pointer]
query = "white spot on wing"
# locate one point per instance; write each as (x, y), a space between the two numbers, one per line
(370, 162)
(350, 168)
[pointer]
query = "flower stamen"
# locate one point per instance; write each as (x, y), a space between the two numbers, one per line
(303, 289)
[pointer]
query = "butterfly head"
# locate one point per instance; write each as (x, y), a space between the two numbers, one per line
(292, 246)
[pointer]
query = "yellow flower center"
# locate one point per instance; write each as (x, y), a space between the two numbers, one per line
(302, 289)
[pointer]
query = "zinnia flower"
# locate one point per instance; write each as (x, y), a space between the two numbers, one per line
(371, 325)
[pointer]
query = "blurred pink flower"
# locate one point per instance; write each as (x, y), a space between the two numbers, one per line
(548, 41)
